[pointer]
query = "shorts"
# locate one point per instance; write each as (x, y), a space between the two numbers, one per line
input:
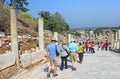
(73, 57)
(54, 61)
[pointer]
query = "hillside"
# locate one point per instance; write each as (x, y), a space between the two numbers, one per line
(27, 36)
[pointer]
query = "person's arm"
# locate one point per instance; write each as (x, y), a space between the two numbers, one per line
(66, 48)
(47, 55)
(58, 49)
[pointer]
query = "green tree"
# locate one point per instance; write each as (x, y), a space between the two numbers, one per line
(54, 22)
(60, 23)
(77, 34)
(46, 16)
(20, 5)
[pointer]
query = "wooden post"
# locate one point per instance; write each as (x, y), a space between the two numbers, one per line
(14, 39)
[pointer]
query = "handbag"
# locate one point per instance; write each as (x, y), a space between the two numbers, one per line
(66, 51)
(57, 53)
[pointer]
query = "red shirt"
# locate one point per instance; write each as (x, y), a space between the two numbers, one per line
(86, 44)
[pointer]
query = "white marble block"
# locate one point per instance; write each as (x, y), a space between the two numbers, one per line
(7, 60)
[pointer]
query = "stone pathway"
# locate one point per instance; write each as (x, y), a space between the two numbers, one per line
(100, 65)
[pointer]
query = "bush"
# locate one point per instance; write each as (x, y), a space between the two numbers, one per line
(26, 16)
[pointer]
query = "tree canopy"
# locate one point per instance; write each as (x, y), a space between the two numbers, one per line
(54, 22)
(20, 5)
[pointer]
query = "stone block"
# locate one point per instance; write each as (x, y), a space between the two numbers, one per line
(7, 60)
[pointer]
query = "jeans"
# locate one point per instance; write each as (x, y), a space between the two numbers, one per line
(80, 55)
(63, 62)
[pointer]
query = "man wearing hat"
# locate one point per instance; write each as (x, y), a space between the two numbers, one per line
(51, 54)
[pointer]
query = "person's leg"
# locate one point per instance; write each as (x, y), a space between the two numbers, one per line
(49, 68)
(72, 61)
(66, 66)
(55, 66)
(81, 58)
(62, 63)
(93, 50)
(75, 60)
(55, 71)
(86, 49)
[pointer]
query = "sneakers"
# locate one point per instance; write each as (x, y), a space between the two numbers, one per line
(66, 67)
(55, 75)
(73, 68)
(48, 76)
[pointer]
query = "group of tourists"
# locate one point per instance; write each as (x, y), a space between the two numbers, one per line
(74, 51)
(104, 46)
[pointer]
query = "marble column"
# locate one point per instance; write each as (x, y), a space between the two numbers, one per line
(119, 34)
(41, 33)
(56, 36)
(69, 38)
(14, 35)
(112, 39)
(116, 35)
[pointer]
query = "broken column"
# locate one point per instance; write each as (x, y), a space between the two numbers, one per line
(56, 35)
(14, 39)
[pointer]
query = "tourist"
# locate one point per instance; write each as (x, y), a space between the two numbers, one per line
(89, 45)
(106, 46)
(64, 53)
(80, 53)
(53, 59)
(86, 46)
(92, 47)
(110, 46)
(73, 47)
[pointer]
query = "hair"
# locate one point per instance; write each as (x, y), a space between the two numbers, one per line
(79, 43)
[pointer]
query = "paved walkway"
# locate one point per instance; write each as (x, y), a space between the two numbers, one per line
(100, 65)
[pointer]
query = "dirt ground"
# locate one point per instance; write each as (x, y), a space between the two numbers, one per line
(7, 72)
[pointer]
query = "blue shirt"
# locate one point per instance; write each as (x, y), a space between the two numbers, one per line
(51, 48)
(73, 47)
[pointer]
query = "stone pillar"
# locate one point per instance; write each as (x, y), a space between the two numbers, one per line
(104, 36)
(69, 38)
(56, 35)
(41, 34)
(87, 36)
(100, 37)
(14, 39)
(112, 39)
(116, 35)
(119, 34)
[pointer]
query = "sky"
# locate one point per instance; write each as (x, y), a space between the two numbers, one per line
(80, 13)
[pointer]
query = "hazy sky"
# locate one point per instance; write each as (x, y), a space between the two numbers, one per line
(80, 13)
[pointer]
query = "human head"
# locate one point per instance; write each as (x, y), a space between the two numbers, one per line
(54, 39)
(64, 42)
(80, 43)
